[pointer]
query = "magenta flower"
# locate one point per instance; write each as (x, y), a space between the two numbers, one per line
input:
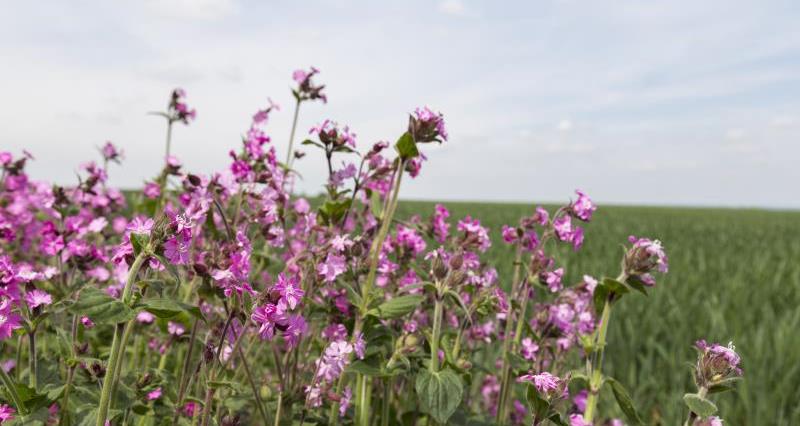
(140, 225)
(360, 345)
(110, 152)
(6, 413)
(427, 126)
(36, 298)
(176, 329)
(176, 249)
(332, 267)
(577, 420)
(344, 402)
(529, 349)
(580, 400)
(289, 289)
(475, 235)
(439, 223)
(306, 89)
(553, 279)
(151, 190)
(9, 321)
(145, 317)
(87, 322)
(583, 207)
(264, 318)
(545, 383)
(154, 394)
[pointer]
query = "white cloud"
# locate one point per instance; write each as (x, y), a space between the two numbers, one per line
(192, 9)
(565, 125)
(452, 7)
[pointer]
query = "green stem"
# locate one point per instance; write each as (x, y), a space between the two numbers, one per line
(70, 372)
(278, 408)
(169, 139)
(11, 387)
(596, 375)
(33, 365)
(289, 156)
(366, 290)
(506, 371)
(386, 401)
(116, 344)
(183, 381)
(437, 329)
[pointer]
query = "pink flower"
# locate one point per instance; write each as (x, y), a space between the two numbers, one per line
(9, 321)
(583, 207)
(344, 403)
(154, 394)
(529, 349)
(145, 317)
(545, 383)
(332, 267)
(151, 190)
(87, 322)
(553, 279)
(360, 345)
(36, 298)
(289, 289)
(176, 249)
(6, 413)
(140, 225)
(577, 420)
(439, 223)
(175, 329)
(190, 409)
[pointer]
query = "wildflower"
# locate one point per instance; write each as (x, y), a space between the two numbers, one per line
(475, 235)
(87, 322)
(175, 329)
(439, 223)
(306, 89)
(644, 257)
(529, 349)
(509, 234)
(427, 126)
(178, 109)
(583, 207)
(296, 327)
(333, 266)
(140, 226)
(553, 279)
(716, 363)
(360, 345)
(345, 400)
(6, 413)
(190, 409)
(145, 317)
(288, 288)
(154, 394)
(709, 421)
(264, 317)
(176, 248)
(545, 383)
(151, 190)
(577, 420)
(580, 400)
(110, 152)
(541, 216)
(330, 134)
(9, 321)
(334, 360)
(36, 298)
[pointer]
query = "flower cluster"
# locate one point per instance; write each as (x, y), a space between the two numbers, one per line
(225, 295)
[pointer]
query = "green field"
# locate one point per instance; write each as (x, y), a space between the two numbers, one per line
(734, 275)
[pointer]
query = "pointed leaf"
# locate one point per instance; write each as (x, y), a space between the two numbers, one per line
(624, 401)
(439, 393)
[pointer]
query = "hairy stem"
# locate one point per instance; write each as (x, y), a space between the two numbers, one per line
(506, 384)
(116, 345)
(289, 156)
(11, 387)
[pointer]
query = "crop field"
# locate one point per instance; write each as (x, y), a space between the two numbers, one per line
(734, 274)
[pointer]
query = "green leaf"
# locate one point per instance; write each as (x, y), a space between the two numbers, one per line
(100, 307)
(168, 308)
(364, 368)
(724, 385)
(139, 242)
(439, 393)
(637, 284)
(699, 405)
(399, 306)
(333, 211)
(624, 401)
(538, 405)
(310, 142)
(406, 147)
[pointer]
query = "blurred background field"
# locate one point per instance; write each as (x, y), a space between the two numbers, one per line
(734, 275)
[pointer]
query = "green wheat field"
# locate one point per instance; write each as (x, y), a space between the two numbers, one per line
(734, 275)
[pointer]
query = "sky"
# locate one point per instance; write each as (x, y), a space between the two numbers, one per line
(635, 102)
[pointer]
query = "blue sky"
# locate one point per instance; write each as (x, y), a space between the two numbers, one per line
(680, 102)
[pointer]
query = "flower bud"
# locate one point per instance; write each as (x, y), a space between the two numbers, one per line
(439, 268)
(716, 363)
